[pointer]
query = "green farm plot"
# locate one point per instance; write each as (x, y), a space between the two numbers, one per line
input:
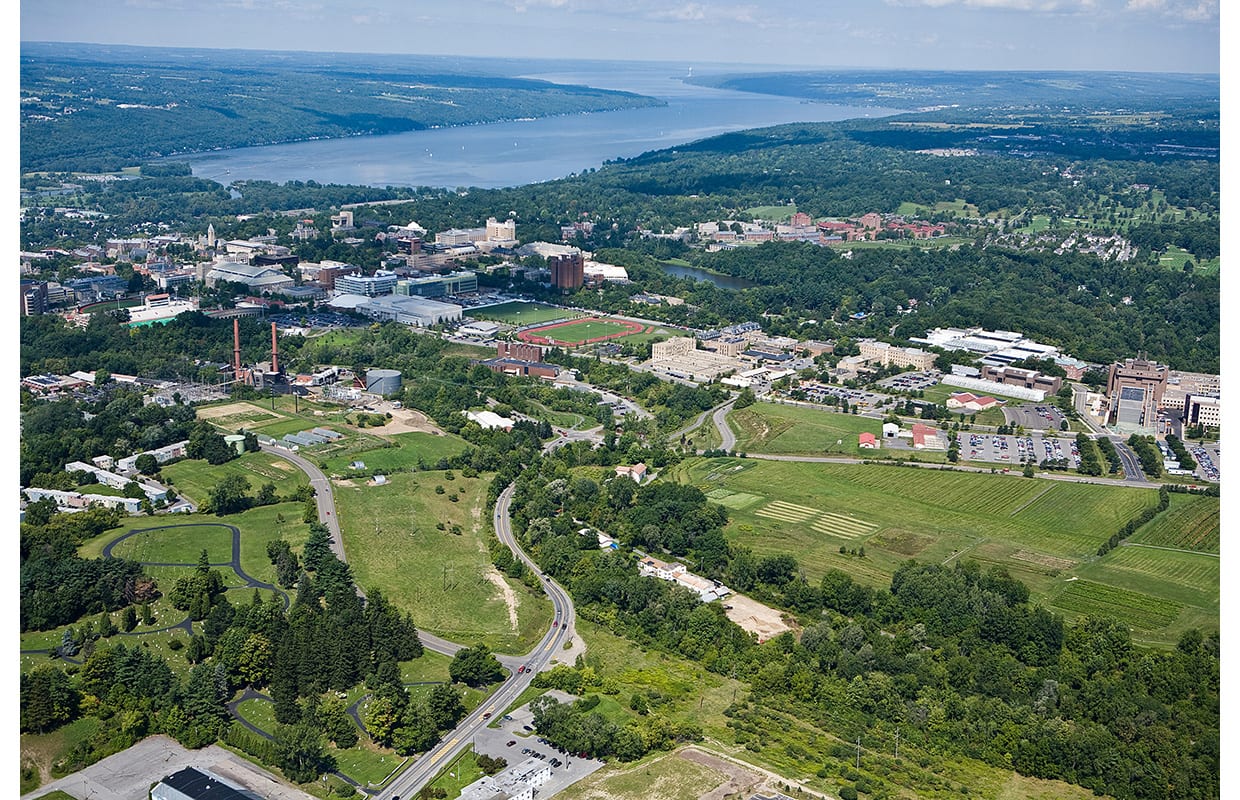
(1042, 532)
(195, 479)
(771, 428)
(1080, 598)
(400, 451)
(394, 542)
(1189, 579)
(519, 313)
(1191, 523)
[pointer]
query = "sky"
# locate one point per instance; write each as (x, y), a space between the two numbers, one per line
(1137, 35)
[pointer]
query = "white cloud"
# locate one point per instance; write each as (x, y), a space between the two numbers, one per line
(1046, 6)
(1191, 10)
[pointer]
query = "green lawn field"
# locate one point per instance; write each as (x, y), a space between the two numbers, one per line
(397, 451)
(1190, 523)
(392, 540)
(774, 213)
(1045, 533)
(519, 313)
(195, 479)
(772, 428)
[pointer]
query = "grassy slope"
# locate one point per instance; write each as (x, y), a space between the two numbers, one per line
(195, 479)
(392, 542)
(771, 428)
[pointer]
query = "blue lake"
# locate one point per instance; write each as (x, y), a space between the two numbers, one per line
(526, 151)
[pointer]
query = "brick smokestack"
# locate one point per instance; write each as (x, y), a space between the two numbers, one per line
(236, 348)
(275, 353)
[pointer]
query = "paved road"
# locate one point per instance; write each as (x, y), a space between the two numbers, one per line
(428, 765)
(322, 494)
(1132, 464)
(411, 781)
(721, 424)
(697, 422)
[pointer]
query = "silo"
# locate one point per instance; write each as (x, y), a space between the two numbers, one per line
(383, 381)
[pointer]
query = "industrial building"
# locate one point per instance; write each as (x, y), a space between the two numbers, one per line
(1203, 410)
(416, 311)
(1028, 378)
(193, 784)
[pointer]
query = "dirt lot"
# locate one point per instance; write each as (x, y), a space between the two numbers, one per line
(248, 410)
(131, 773)
(754, 617)
(404, 420)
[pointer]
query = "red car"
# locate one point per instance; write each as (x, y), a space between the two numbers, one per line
(520, 669)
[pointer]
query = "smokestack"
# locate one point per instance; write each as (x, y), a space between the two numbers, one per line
(236, 348)
(275, 364)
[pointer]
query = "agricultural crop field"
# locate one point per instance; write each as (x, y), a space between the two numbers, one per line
(582, 331)
(393, 541)
(772, 428)
(1045, 533)
(1190, 523)
(195, 478)
(519, 313)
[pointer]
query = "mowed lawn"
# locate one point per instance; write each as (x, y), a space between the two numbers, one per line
(195, 479)
(788, 429)
(439, 577)
(401, 451)
(1191, 523)
(1043, 532)
(519, 313)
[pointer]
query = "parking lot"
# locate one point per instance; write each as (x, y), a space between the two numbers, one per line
(515, 739)
(912, 381)
(1034, 416)
(817, 392)
(1207, 457)
(1009, 451)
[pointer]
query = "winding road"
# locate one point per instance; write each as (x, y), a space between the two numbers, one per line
(560, 635)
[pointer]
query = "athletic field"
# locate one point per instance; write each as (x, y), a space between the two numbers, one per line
(519, 313)
(581, 331)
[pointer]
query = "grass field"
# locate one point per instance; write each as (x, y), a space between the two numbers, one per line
(391, 538)
(774, 213)
(459, 773)
(958, 207)
(195, 479)
(40, 751)
(1173, 258)
(519, 313)
(771, 428)
(378, 453)
(1043, 532)
(667, 777)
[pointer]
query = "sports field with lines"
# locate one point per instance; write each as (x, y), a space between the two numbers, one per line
(519, 313)
(1045, 533)
(580, 331)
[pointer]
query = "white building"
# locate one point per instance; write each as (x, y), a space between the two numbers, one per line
(72, 501)
(482, 329)
(150, 488)
(675, 346)
(489, 419)
(415, 311)
(991, 387)
(515, 783)
(706, 589)
(162, 456)
(382, 282)
(257, 279)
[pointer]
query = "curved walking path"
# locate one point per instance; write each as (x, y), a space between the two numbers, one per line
(186, 624)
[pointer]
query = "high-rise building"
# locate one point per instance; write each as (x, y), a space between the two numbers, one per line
(1135, 388)
(567, 271)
